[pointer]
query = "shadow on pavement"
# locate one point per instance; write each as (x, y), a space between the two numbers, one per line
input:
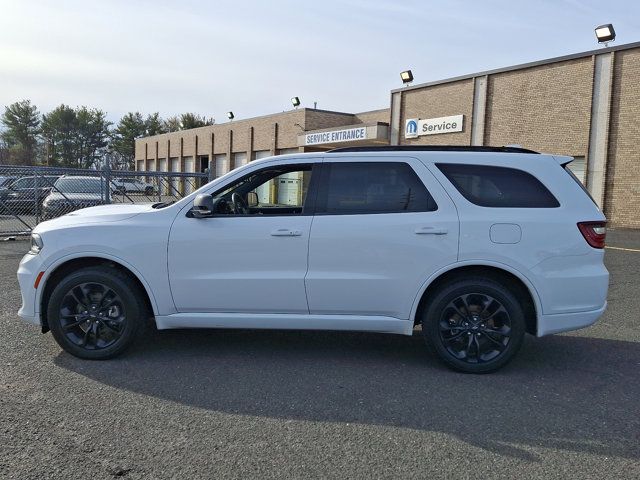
(562, 392)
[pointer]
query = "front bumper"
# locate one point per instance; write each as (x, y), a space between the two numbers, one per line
(565, 322)
(30, 267)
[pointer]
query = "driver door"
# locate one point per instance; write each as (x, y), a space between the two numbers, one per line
(249, 261)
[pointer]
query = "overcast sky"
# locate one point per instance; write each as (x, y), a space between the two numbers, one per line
(252, 56)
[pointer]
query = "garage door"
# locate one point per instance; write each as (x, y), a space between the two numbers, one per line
(289, 189)
(174, 163)
(189, 182)
(239, 159)
(579, 169)
(258, 154)
(222, 164)
(285, 151)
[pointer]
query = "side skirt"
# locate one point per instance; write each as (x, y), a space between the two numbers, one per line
(359, 323)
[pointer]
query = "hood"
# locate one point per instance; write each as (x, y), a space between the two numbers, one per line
(99, 214)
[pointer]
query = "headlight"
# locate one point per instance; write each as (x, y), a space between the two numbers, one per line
(36, 244)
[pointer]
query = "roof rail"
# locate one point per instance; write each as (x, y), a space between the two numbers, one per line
(432, 148)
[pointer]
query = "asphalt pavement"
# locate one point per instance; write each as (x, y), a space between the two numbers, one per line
(253, 404)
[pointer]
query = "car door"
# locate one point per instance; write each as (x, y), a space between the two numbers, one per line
(245, 263)
(383, 225)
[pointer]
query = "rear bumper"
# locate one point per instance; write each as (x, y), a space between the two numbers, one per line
(564, 322)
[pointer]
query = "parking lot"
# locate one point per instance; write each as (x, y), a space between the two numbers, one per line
(252, 404)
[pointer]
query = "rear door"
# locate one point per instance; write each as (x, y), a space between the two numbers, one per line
(383, 225)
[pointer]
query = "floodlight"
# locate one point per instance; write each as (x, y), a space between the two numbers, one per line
(605, 33)
(406, 76)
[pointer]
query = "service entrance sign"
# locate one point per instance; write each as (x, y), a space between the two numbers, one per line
(336, 136)
(432, 126)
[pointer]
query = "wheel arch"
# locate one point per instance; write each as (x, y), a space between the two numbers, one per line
(520, 285)
(74, 262)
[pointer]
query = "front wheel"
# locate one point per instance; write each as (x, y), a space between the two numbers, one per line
(475, 325)
(96, 312)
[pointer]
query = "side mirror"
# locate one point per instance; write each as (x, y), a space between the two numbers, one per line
(202, 206)
(252, 199)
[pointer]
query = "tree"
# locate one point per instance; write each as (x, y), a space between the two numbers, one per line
(91, 136)
(123, 143)
(172, 124)
(191, 120)
(21, 121)
(59, 129)
(154, 125)
(187, 121)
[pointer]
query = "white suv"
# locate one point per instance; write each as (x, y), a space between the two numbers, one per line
(476, 245)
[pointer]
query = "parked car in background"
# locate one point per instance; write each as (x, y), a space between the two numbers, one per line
(5, 181)
(71, 193)
(132, 185)
(25, 194)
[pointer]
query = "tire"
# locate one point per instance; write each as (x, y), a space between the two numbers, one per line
(481, 338)
(96, 333)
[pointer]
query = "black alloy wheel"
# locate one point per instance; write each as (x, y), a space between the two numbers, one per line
(92, 316)
(475, 328)
(475, 325)
(96, 312)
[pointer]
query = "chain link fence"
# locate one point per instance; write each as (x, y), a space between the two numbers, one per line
(30, 195)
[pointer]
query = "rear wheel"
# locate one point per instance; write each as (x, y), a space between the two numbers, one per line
(475, 325)
(96, 312)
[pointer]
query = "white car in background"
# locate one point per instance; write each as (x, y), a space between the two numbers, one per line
(477, 245)
(132, 185)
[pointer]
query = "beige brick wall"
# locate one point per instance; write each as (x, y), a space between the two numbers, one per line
(290, 125)
(545, 108)
(318, 119)
(439, 101)
(622, 188)
(383, 115)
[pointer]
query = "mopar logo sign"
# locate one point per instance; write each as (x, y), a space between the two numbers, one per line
(432, 126)
(411, 129)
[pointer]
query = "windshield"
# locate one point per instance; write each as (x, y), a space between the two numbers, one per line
(79, 185)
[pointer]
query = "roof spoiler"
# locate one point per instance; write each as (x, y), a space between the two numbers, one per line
(563, 160)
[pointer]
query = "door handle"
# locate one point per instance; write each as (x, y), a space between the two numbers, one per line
(285, 232)
(430, 231)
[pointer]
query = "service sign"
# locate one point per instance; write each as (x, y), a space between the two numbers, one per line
(336, 136)
(432, 126)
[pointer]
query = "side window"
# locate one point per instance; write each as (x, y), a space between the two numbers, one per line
(489, 186)
(279, 190)
(372, 187)
(23, 183)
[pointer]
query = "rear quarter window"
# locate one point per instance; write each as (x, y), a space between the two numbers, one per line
(490, 186)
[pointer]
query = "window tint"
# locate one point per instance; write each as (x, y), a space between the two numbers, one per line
(490, 186)
(372, 187)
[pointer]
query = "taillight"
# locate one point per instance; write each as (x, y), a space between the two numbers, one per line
(594, 233)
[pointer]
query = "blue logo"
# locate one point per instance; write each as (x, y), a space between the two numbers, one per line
(411, 129)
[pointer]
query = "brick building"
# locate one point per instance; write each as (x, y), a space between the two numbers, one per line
(586, 105)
